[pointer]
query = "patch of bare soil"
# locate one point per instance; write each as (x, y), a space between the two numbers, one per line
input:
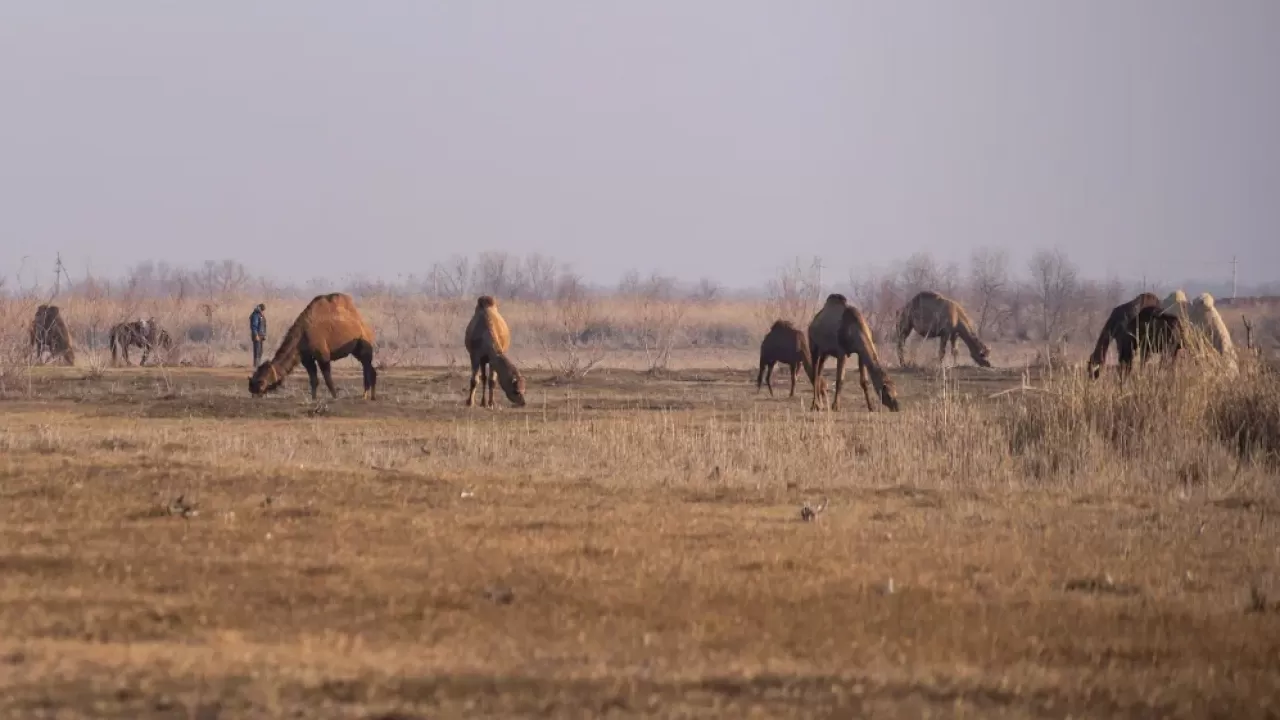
(210, 555)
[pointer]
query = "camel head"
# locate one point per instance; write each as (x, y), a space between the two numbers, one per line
(889, 395)
(513, 386)
(1094, 369)
(981, 354)
(265, 379)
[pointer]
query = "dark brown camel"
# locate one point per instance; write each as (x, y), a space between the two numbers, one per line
(49, 332)
(1116, 326)
(1152, 332)
(784, 343)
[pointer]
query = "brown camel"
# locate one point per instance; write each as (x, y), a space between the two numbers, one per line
(838, 330)
(145, 334)
(1118, 323)
(933, 315)
(487, 340)
(329, 328)
(49, 332)
(784, 343)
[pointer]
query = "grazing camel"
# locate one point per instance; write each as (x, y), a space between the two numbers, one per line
(784, 343)
(329, 328)
(838, 330)
(933, 315)
(1118, 322)
(145, 334)
(49, 332)
(1153, 331)
(487, 340)
(1206, 333)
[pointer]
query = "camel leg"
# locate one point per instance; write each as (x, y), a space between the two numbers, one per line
(309, 363)
(818, 361)
(760, 376)
(902, 347)
(491, 380)
(955, 357)
(146, 349)
(795, 370)
(475, 376)
(325, 366)
(768, 378)
(365, 357)
(1125, 360)
(942, 348)
(840, 361)
(866, 384)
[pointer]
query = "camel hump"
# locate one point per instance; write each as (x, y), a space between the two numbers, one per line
(782, 325)
(1205, 299)
(837, 299)
(486, 301)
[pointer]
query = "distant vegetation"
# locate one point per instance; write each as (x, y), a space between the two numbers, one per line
(560, 320)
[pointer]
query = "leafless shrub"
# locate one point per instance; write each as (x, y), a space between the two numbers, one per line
(1054, 286)
(793, 295)
(658, 310)
(988, 280)
(563, 332)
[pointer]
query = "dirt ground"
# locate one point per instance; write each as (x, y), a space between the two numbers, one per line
(624, 546)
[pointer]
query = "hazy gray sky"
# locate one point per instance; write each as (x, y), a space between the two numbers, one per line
(715, 137)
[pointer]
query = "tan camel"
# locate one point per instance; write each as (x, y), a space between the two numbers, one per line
(487, 341)
(49, 332)
(933, 315)
(1206, 333)
(838, 330)
(784, 343)
(329, 328)
(1122, 319)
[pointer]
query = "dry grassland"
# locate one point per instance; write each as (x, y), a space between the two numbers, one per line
(632, 546)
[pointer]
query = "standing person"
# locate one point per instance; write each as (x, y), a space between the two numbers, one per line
(258, 332)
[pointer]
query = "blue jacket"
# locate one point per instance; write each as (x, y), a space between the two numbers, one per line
(257, 324)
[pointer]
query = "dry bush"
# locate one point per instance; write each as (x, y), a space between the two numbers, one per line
(563, 334)
(1186, 421)
(16, 355)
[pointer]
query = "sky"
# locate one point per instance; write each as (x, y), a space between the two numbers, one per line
(717, 138)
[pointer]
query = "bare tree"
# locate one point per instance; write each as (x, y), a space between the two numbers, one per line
(791, 294)
(499, 274)
(564, 335)
(1053, 284)
(988, 280)
(877, 294)
(706, 290)
(920, 272)
(659, 310)
(539, 276)
(452, 278)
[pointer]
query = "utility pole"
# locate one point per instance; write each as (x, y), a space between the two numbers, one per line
(1233, 277)
(58, 272)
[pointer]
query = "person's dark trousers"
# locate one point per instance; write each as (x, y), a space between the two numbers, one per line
(257, 353)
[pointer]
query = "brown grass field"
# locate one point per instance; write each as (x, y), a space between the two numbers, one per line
(630, 546)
